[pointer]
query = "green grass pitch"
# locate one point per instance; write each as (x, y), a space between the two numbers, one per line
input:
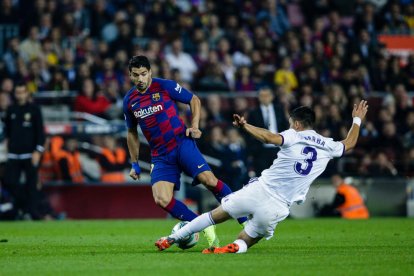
(300, 247)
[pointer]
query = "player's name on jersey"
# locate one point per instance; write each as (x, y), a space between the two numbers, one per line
(316, 140)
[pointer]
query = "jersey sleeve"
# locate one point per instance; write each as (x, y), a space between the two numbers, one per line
(289, 138)
(337, 149)
(130, 121)
(177, 92)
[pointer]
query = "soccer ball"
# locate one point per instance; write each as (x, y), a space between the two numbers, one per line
(186, 242)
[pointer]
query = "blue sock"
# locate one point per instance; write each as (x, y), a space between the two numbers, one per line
(179, 210)
(221, 190)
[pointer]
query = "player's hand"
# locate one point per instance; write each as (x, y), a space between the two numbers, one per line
(135, 171)
(36, 158)
(360, 110)
(239, 121)
(133, 174)
(193, 132)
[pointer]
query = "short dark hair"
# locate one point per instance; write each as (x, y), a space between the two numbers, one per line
(20, 83)
(305, 115)
(139, 61)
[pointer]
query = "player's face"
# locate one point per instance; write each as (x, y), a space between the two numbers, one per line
(141, 77)
(21, 94)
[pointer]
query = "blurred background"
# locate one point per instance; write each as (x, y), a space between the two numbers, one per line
(236, 56)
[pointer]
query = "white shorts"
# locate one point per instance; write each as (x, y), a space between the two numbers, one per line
(263, 209)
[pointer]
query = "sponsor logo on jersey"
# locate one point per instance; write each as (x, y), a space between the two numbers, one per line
(156, 97)
(145, 112)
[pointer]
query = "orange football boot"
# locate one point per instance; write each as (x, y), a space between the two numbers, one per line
(164, 243)
(230, 248)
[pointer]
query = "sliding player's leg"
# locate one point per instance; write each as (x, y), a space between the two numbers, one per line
(193, 163)
(267, 212)
(237, 204)
(198, 224)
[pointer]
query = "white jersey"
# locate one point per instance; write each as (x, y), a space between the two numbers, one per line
(302, 158)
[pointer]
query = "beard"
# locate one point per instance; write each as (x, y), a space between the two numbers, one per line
(142, 85)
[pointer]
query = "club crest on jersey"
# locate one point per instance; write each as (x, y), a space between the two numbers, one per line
(156, 97)
(145, 112)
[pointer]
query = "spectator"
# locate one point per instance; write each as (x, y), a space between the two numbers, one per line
(270, 115)
(244, 81)
(409, 16)
(285, 76)
(181, 60)
(408, 166)
(235, 156)
(11, 56)
(366, 20)
(381, 166)
(275, 14)
(91, 101)
(9, 13)
(241, 57)
(394, 22)
(408, 138)
(380, 77)
(217, 149)
(30, 48)
(58, 82)
(215, 113)
(409, 71)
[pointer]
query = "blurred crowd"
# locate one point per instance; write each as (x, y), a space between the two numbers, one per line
(325, 54)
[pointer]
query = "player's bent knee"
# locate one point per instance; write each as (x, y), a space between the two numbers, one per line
(162, 201)
(208, 179)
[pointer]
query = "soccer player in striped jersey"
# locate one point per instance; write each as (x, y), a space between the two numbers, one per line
(151, 104)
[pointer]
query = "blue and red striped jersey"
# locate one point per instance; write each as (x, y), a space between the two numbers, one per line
(156, 112)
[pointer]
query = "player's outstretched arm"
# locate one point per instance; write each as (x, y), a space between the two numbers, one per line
(133, 148)
(358, 114)
(260, 134)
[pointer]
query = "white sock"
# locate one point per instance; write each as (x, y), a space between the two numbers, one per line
(196, 225)
(242, 246)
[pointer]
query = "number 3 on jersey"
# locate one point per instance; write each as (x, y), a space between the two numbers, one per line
(304, 169)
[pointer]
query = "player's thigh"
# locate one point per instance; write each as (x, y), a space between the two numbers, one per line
(242, 202)
(165, 170)
(267, 215)
(190, 159)
(163, 191)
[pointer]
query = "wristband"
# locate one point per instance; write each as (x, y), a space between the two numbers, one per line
(136, 167)
(357, 121)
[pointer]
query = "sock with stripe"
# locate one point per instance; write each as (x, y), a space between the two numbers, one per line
(179, 210)
(196, 225)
